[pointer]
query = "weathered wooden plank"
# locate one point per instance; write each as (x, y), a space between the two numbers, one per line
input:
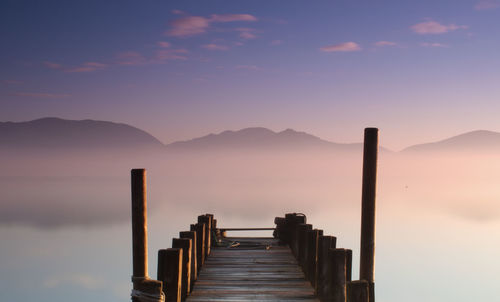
(242, 274)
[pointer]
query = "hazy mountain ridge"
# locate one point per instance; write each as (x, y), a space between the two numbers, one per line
(260, 138)
(55, 133)
(479, 140)
(60, 134)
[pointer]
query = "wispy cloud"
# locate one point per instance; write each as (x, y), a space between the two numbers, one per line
(248, 67)
(342, 47)
(213, 46)
(12, 82)
(435, 28)
(52, 65)
(433, 44)
(385, 43)
(276, 42)
(246, 33)
(195, 25)
(232, 18)
(44, 95)
(88, 67)
(163, 44)
(487, 4)
(170, 54)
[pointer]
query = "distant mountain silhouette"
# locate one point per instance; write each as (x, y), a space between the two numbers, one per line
(59, 134)
(480, 141)
(260, 138)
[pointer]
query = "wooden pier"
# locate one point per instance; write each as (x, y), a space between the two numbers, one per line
(299, 263)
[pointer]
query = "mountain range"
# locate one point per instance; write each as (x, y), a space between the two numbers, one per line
(61, 134)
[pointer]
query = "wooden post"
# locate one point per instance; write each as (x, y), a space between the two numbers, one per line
(358, 291)
(336, 289)
(207, 220)
(142, 285)
(297, 220)
(185, 245)
(312, 256)
(367, 255)
(170, 273)
(139, 224)
(194, 261)
(302, 234)
(325, 243)
(199, 228)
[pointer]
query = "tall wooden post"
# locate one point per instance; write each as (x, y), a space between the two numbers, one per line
(139, 224)
(199, 228)
(143, 287)
(367, 257)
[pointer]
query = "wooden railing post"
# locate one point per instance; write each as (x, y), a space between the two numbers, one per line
(340, 274)
(367, 256)
(170, 273)
(199, 228)
(325, 243)
(302, 246)
(207, 220)
(194, 261)
(185, 245)
(312, 256)
(143, 286)
(358, 291)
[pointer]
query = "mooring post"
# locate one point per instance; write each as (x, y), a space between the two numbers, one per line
(185, 245)
(302, 234)
(194, 261)
(325, 243)
(358, 291)
(170, 273)
(143, 287)
(199, 228)
(339, 261)
(207, 220)
(367, 256)
(313, 255)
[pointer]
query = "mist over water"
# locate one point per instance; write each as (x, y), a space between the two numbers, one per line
(65, 218)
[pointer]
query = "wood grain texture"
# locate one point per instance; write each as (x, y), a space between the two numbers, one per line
(259, 270)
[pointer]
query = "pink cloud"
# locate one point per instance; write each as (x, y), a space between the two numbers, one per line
(213, 46)
(427, 44)
(87, 67)
(435, 28)
(41, 95)
(52, 65)
(246, 33)
(487, 4)
(188, 26)
(276, 42)
(385, 43)
(195, 25)
(342, 47)
(164, 44)
(232, 18)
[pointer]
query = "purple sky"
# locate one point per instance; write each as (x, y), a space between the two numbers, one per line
(419, 70)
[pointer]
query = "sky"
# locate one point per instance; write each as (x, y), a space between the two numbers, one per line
(418, 70)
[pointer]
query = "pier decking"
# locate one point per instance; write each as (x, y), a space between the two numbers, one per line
(260, 270)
